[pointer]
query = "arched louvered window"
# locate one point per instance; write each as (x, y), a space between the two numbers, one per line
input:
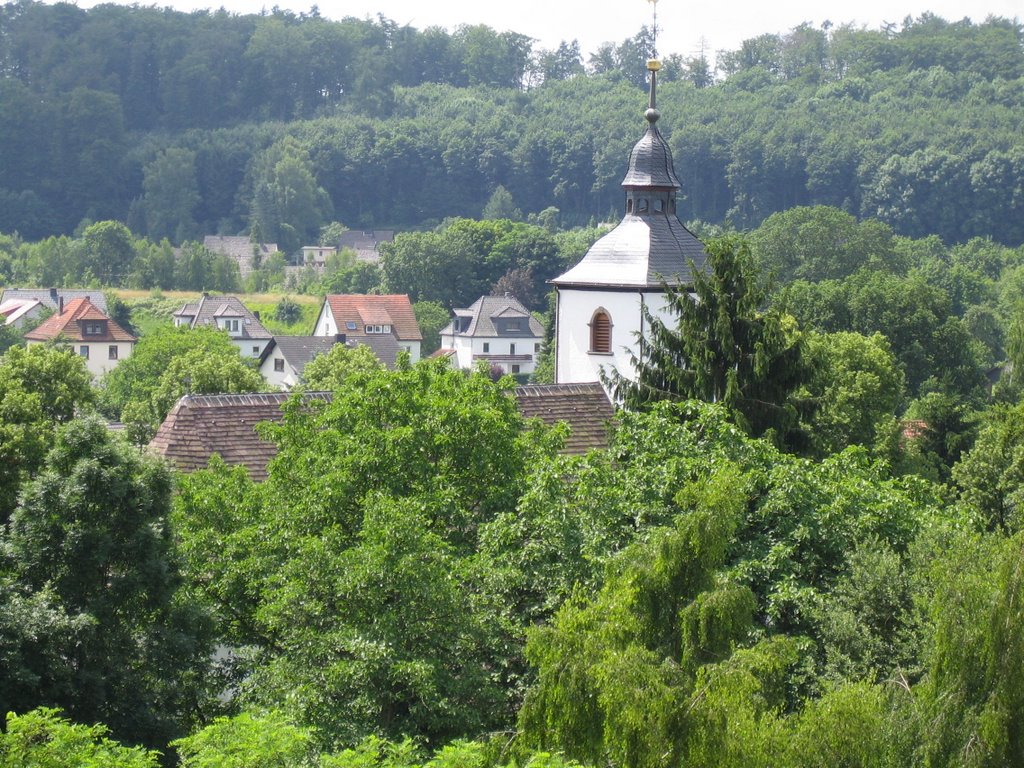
(601, 332)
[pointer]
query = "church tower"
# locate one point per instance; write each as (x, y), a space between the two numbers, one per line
(600, 300)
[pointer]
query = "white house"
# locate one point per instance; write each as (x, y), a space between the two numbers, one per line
(368, 319)
(497, 329)
(285, 357)
(601, 300)
(82, 326)
(230, 315)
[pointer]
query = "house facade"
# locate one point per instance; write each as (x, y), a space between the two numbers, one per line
(83, 327)
(602, 300)
(230, 315)
(370, 319)
(498, 330)
(285, 357)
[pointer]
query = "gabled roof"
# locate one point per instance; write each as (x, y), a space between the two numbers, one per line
(394, 310)
(201, 425)
(209, 308)
(12, 310)
(584, 407)
(384, 346)
(299, 350)
(49, 297)
(486, 309)
(68, 325)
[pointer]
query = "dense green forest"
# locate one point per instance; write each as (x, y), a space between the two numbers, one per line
(802, 547)
(188, 124)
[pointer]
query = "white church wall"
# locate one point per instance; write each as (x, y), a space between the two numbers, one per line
(575, 362)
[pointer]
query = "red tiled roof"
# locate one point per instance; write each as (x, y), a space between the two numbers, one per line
(68, 325)
(394, 310)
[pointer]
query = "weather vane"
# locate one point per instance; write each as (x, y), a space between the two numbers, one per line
(654, 29)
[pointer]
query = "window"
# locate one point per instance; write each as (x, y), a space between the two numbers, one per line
(641, 205)
(515, 369)
(350, 325)
(536, 348)
(629, 206)
(94, 329)
(487, 347)
(601, 333)
(84, 351)
(278, 365)
(112, 352)
(513, 325)
(255, 351)
(658, 205)
(511, 349)
(378, 329)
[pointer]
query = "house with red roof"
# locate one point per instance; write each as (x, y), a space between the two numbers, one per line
(367, 318)
(101, 341)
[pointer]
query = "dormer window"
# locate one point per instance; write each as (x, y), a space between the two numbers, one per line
(230, 324)
(513, 325)
(601, 333)
(94, 329)
(378, 329)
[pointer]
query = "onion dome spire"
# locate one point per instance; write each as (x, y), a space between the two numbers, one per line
(650, 162)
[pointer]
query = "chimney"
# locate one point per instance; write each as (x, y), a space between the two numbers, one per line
(60, 305)
(53, 295)
(339, 338)
(256, 314)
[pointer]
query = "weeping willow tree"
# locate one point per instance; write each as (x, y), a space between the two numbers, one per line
(723, 346)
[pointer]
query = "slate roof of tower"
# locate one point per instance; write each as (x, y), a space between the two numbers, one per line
(647, 248)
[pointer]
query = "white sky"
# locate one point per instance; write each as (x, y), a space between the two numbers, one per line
(683, 23)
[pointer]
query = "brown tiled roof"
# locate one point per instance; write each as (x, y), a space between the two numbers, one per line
(69, 325)
(584, 407)
(201, 425)
(394, 310)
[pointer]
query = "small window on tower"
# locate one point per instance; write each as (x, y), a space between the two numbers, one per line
(601, 333)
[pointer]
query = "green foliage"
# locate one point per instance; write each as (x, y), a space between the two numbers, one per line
(91, 528)
(853, 389)
(364, 610)
(989, 475)
(247, 740)
(138, 378)
(43, 739)
(431, 317)
(340, 368)
(721, 347)
(40, 387)
(287, 311)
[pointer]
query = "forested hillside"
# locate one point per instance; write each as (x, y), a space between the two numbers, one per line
(187, 124)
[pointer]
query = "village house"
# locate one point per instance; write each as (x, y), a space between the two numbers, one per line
(240, 249)
(371, 319)
(21, 312)
(230, 315)
(366, 243)
(286, 357)
(55, 299)
(498, 330)
(82, 326)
